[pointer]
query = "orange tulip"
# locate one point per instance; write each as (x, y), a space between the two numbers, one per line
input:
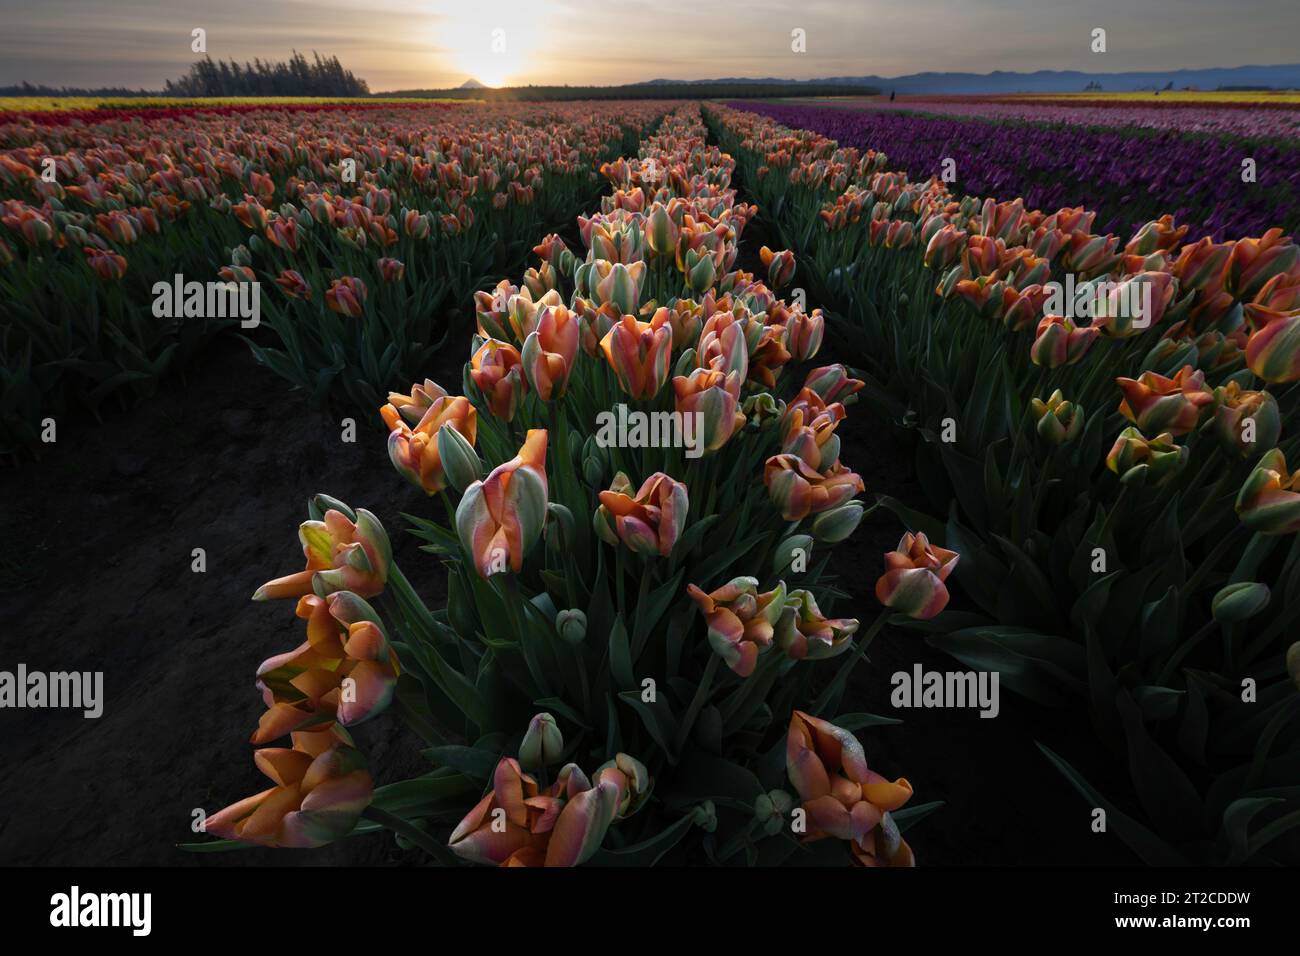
(502, 516)
(293, 284)
(550, 352)
(321, 787)
(342, 555)
(913, 582)
(497, 371)
(108, 265)
(832, 383)
(804, 633)
(1155, 403)
(1255, 261)
(649, 522)
(1273, 349)
(639, 353)
(799, 489)
(808, 430)
(725, 342)
(346, 671)
(413, 449)
(841, 796)
(714, 396)
(413, 406)
(769, 356)
(520, 824)
(780, 266)
(347, 296)
(740, 620)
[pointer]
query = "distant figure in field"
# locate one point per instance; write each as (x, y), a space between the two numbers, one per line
(891, 96)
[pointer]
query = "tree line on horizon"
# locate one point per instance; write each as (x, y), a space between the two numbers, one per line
(297, 76)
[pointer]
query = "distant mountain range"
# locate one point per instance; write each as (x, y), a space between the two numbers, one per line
(471, 84)
(1284, 76)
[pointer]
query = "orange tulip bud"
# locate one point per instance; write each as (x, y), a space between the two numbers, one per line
(501, 517)
(913, 582)
(497, 371)
(1155, 403)
(639, 353)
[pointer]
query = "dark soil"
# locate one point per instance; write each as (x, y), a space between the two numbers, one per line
(103, 528)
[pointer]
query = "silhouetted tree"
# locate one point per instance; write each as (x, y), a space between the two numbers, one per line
(320, 76)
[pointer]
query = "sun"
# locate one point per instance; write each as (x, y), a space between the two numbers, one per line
(493, 42)
(488, 72)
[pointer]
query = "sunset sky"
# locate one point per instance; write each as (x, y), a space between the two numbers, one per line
(404, 44)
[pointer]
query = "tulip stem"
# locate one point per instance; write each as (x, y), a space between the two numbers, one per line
(702, 693)
(836, 686)
(409, 603)
(1023, 420)
(1208, 499)
(639, 628)
(450, 510)
(1172, 664)
(411, 833)
(1226, 542)
(737, 843)
(1120, 501)
(1037, 504)
(618, 578)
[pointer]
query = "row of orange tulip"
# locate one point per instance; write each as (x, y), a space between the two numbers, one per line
(103, 188)
(1222, 305)
(1091, 578)
(385, 215)
(656, 298)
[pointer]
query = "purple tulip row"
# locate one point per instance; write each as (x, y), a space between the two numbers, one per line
(1201, 118)
(1130, 176)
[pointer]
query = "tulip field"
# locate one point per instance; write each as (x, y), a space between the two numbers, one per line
(1151, 587)
(683, 481)
(1221, 172)
(450, 190)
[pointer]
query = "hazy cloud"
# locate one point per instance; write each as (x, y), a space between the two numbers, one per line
(398, 44)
